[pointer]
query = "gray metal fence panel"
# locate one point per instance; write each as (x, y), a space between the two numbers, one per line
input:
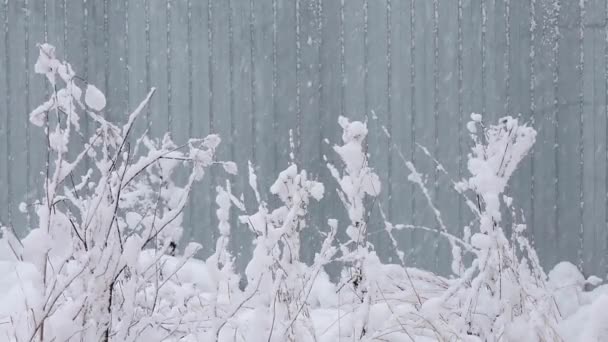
(251, 70)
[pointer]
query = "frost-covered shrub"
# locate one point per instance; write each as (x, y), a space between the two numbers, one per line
(503, 294)
(507, 294)
(356, 182)
(276, 264)
(100, 249)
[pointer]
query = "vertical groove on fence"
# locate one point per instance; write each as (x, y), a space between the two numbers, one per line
(275, 80)
(532, 91)
(320, 72)
(389, 107)
(319, 220)
(413, 103)
(3, 106)
(342, 61)
(64, 7)
(7, 130)
(26, 96)
(502, 93)
(210, 62)
(459, 63)
(231, 96)
(366, 83)
(484, 18)
(45, 21)
(169, 84)
(85, 66)
(252, 65)
(605, 252)
(147, 59)
(581, 151)
(85, 45)
(213, 51)
(211, 108)
(366, 111)
(320, 89)
(190, 70)
(436, 114)
(507, 64)
(232, 138)
(106, 56)
(298, 130)
(127, 68)
(190, 101)
(555, 80)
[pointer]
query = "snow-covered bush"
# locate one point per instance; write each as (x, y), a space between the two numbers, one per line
(104, 233)
(512, 284)
(503, 294)
(357, 182)
(276, 261)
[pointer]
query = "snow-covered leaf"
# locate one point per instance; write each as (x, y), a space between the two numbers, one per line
(94, 98)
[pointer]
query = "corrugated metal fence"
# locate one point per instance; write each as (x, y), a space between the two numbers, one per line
(253, 69)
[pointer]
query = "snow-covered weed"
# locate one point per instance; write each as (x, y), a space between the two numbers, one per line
(503, 294)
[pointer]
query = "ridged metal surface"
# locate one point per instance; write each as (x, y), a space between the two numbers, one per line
(251, 70)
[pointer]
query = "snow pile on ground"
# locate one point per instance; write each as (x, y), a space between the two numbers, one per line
(103, 263)
(330, 310)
